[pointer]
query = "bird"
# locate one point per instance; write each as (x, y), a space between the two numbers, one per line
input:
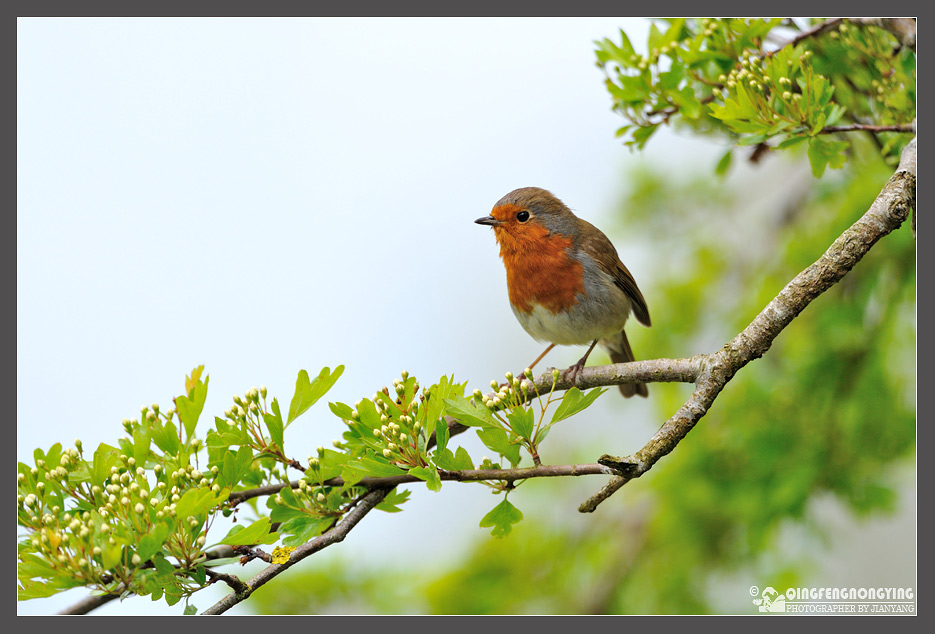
(565, 281)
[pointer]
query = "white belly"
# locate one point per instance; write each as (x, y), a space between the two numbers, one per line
(574, 326)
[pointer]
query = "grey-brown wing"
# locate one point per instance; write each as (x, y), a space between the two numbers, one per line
(602, 250)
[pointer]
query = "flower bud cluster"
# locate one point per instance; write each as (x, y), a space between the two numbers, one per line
(315, 498)
(399, 436)
(510, 394)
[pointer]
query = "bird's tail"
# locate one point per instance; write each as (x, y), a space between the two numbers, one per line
(620, 352)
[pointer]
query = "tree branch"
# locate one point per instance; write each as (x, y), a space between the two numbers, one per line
(903, 29)
(888, 211)
(90, 603)
(333, 536)
(232, 581)
(815, 31)
(900, 127)
(648, 371)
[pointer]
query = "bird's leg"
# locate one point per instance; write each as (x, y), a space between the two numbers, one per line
(539, 358)
(571, 374)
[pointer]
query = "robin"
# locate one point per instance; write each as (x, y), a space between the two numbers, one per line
(566, 284)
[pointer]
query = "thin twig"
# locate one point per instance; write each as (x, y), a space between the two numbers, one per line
(815, 31)
(857, 127)
(232, 581)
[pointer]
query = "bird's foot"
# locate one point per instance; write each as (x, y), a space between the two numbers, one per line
(571, 374)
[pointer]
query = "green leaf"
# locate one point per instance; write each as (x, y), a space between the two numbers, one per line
(198, 501)
(641, 135)
(162, 565)
(234, 466)
(368, 414)
(522, 421)
(256, 533)
(151, 542)
(434, 405)
(341, 410)
(822, 153)
(302, 529)
(791, 141)
(497, 440)
(189, 407)
(724, 164)
(166, 437)
(105, 457)
(442, 435)
(37, 589)
(501, 518)
(835, 115)
(274, 425)
(470, 413)
(330, 464)
(308, 392)
(688, 103)
(458, 461)
(110, 555)
(365, 467)
(141, 441)
(283, 512)
(753, 139)
(393, 499)
(189, 610)
(633, 89)
(430, 475)
(819, 123)
(656, 39)
(574, 401)
(670, 79)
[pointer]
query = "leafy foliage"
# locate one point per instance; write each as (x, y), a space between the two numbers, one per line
(721, 77)
(134, 519)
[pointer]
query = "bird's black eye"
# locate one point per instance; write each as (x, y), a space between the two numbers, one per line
(522, 216)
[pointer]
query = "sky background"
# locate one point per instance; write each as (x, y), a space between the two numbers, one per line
(266, 195)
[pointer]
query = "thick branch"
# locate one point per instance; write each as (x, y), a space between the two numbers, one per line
(888, 211)
(90, 603)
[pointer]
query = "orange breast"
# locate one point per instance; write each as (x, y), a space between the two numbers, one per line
(538, 267)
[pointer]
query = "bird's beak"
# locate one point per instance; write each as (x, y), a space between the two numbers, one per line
(488, 220)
